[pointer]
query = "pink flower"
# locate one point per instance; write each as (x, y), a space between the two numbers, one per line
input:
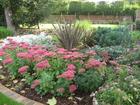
(93, 63)
(61, 51)
(9, 47)
(69, 75)
(24, 45)
(67, 56)
(7, 61)
(40, 51)
(35, 84)
(2, 53)
(76, 55)
(91, 52)
(43, 64)
(23, 69)
(71, 67)
(72, 88)
(49, 54)
(60, 90)
(24, 55)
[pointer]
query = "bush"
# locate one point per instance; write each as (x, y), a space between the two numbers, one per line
(75, 7)
(87, 8)
(89, 81)
(138, 24)
(135, 36)
(4, 32)
(113, 37)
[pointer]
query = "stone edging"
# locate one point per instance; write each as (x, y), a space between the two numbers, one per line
(25, 101)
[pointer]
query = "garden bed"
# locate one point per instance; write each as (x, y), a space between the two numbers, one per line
(78, 99)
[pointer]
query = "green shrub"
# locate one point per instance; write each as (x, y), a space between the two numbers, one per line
(135, 36)
(113, 37)
(89, 81)
(88, 8)
(4, 32)
(138, 24)
(75, 7)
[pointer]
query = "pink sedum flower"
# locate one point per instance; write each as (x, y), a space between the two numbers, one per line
(93, 63)
(72, 88)
(71, 67)
(23, 69)
(49, 54)
(61, 51)
(7, 61)
(69, 75)
(43, 64)
(2, 53)
(35, 84)
(91, 52)
(24, 55)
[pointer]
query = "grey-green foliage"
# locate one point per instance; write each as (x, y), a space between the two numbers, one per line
(113, 37)
(114, 51)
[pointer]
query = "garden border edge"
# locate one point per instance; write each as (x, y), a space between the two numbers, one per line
(17, 97)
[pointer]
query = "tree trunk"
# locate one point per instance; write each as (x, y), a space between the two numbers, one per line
(8, 18)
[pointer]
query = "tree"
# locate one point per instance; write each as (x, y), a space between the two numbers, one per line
(25, 12)
(8, 14)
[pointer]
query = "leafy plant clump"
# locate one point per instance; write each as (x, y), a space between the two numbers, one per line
(4, 32)
(113, 37)
(123, 90)
(70, 35)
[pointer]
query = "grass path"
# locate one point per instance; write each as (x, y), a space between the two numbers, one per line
(4, 100)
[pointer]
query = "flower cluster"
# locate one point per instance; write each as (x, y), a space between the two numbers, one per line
(43, 64)
(69, 73)
(7, 61)
(23, 69)
(93, 63)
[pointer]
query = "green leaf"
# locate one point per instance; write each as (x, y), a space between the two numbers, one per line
(52, 101)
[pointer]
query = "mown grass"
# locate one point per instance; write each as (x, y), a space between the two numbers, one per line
(4, 100)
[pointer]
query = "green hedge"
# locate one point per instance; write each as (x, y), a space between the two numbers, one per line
(102, 8)
(4, 32)
(2, 20)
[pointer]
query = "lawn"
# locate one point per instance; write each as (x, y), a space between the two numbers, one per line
(49, 26)
(4, 100)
